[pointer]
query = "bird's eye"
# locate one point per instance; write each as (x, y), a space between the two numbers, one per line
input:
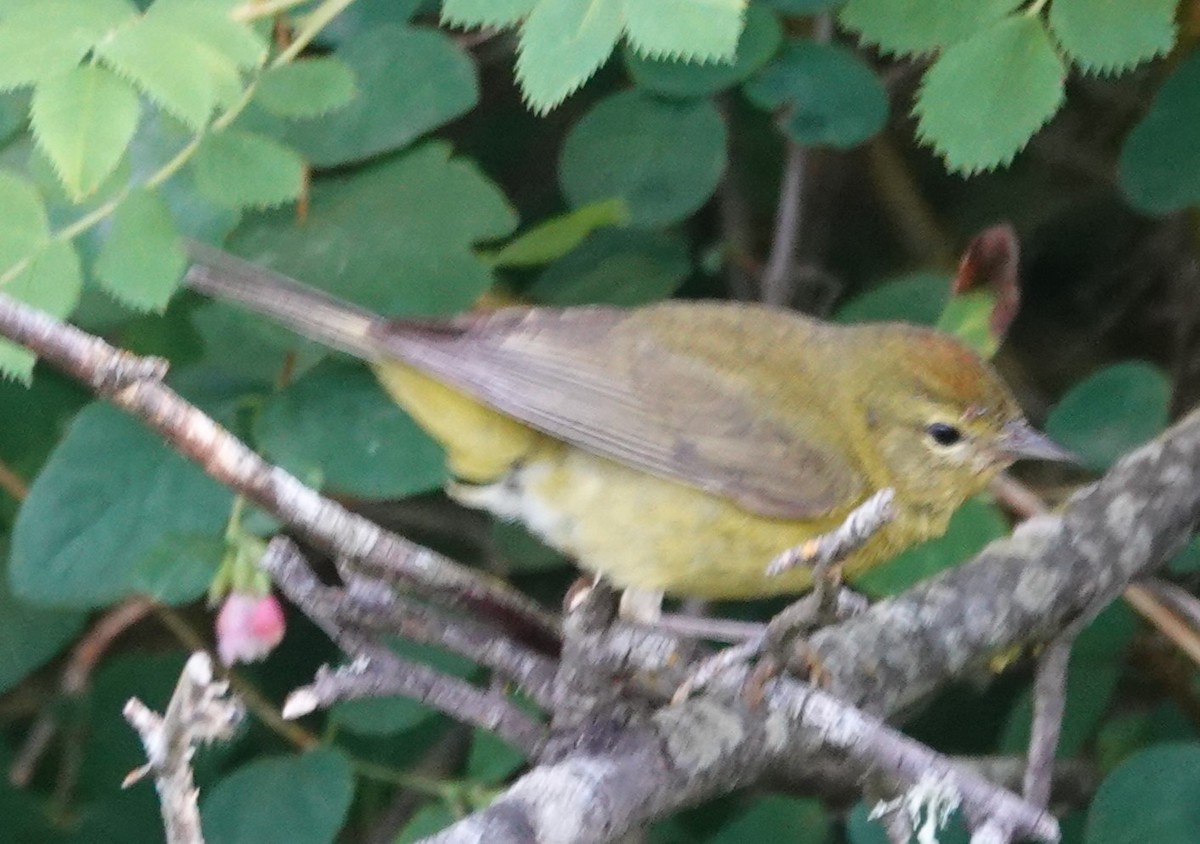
(943, 434)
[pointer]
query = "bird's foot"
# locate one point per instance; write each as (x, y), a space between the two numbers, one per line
(863, 522)
(779, 646)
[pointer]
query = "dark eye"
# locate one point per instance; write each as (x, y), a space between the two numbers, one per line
(943, 434)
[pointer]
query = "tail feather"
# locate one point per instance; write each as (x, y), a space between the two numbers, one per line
(307, 311)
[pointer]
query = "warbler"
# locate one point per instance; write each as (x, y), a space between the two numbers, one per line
(679, 447)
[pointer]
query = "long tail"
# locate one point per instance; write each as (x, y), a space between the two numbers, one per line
(308, 311)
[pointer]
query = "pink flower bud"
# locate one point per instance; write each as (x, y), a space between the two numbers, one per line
(248, 627)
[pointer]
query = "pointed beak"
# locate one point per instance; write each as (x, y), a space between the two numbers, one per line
(1022, 441)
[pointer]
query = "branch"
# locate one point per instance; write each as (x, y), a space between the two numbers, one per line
(611, 778)
(199, 712)
(1024, 588)
(376, 608)
(135, 385)
(1049, 703)
(74, 681)
(378, 672)
(779, 274)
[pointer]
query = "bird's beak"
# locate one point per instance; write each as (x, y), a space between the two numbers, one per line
(1021, 441)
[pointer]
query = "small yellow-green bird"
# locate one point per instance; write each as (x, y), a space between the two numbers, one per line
(678, 448)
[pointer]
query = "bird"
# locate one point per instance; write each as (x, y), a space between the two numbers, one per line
(678, 448)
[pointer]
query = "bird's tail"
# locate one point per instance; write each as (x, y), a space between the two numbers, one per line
(306, 310)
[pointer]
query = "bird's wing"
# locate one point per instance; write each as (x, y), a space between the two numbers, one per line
(611, 382)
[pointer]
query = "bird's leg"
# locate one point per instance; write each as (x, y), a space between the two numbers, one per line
(827, 601)
(641, 605)
(824, 551)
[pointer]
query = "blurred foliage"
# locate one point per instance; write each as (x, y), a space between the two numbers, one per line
(390, 153)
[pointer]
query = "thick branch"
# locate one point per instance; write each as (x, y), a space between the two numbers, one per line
(1024, 588)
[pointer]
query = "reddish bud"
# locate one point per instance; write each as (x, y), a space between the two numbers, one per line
(248, 627)
(990, 263)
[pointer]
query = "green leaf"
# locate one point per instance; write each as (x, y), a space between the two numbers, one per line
(1109, 36)
(664, 159)
(169, 65)
(905, 27)
(44, 39)
(282, 800)
(1122, 735)
(1159, 168)
(384, 715)
(392, 109)
(30, 635)
(491, 760)
(760, 39)
(26, 820)
(485, 13)
(393, 237)
(798, 7)
(362, 16)
(1111, 412)
(338, 424)
(178, 571)
(83, 121)
(110, 494)
(693, 30)
(24, 227)
(430, 819)
(522, 552)
(776, 818)
(14, 114)
(918, 298)
(615, 267)
(33, 419)
(306, 88)
(51, 282)
(143, 257)
(829, 95)
(563, 42)
(1153, 796)
(237, 168)
(983, 98)
(971, 528)
(213, 26)
(557, 236)
(241, 343)
(967, 316)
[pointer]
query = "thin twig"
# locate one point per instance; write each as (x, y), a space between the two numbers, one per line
(74, 681)
(1172, 626)
(378, 672)
(199, 712)
(1049, 703)
(12, 483)
(134, 384)
(256, 703)
(779, 274)
(1180, 601)
(372, 607)
(1016, 497)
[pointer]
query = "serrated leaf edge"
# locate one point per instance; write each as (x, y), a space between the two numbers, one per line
(1115, 68)
(542, 109)
(926, 140)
